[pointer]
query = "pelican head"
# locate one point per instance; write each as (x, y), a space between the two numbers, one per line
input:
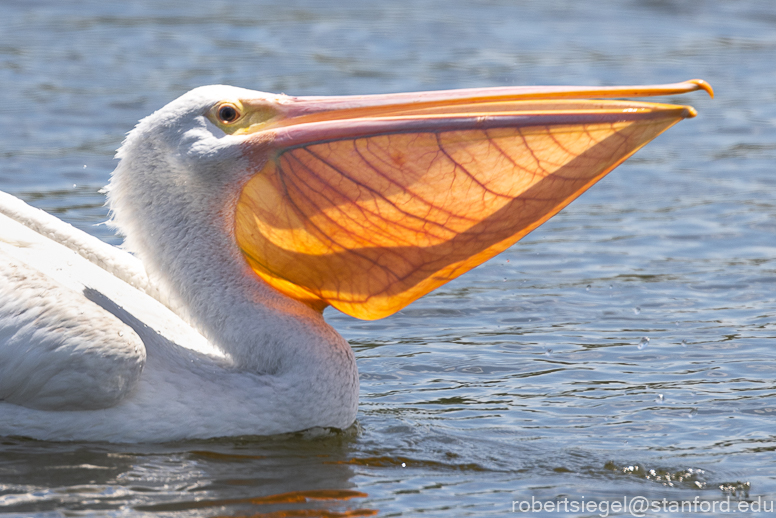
(365, 202)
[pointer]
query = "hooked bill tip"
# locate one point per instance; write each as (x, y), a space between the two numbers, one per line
(702, 85)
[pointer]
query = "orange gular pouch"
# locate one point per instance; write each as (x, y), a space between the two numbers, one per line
(370, 206)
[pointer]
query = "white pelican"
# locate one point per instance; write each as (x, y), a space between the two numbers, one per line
(247, 214)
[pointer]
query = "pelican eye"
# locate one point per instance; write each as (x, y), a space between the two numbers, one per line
(228, 113)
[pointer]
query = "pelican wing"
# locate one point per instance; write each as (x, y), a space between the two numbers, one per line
(77, 316)
(370, 212)
(58, 349)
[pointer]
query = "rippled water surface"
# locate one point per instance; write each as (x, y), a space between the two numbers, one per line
(530, 376)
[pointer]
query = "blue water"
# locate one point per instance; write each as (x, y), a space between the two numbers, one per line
(527, 377)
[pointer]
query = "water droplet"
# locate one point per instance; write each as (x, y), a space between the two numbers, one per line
(636, 310)
(588, 288)
(644, 342)
(684, 343)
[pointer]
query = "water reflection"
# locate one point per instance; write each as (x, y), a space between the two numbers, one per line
(299, 475)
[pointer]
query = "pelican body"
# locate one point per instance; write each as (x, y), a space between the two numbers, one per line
(245, 214)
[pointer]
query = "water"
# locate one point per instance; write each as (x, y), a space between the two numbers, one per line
(524, 378)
